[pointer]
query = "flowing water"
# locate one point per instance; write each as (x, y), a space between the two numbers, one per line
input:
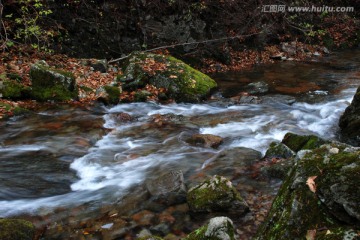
(61, 161)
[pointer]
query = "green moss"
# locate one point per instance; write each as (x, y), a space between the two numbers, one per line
(198, 234)
(216, 194)
(11, 89)
(297, 142)
(113, 94)
(16, 229)
(56, 93)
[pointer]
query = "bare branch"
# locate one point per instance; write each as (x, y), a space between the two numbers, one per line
(188, 43)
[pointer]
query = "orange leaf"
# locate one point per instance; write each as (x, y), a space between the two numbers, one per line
(311, 183)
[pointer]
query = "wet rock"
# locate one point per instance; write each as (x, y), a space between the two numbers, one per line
(216, 196)
(144, 218)
(218, 228)
(289, 48)
(109, 94)
(350, 121)
(321, 190)
(168, 189)
(278, 98)
(298, 142)
(245, 99)
(99, 65)
(205, 140)
(257, 88)
(51, 84)
(11, 229)
(279, 169)
(182, 83)
(279, 150)
(160, 229)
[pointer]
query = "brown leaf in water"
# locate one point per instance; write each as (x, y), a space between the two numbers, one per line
(311, 183)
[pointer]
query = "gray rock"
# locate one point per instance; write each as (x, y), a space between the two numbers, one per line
(168, 189)
(218, 228)
(279, 150)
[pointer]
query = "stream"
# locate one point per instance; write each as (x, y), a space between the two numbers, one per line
(67, 168)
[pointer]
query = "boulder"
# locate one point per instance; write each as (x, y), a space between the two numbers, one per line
(218, 228)
(52, 84)
(205, 140)
(319, 198)
(350, 121)
(182, 82)
(168, 189)
(216, 196)
(109, 94)
(11, 229)
(279, 150)
(298, 142)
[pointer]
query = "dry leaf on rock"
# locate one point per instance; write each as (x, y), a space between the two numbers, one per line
(311, 183)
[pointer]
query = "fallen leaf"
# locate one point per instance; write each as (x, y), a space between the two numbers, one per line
(311, 183)
(310, 235)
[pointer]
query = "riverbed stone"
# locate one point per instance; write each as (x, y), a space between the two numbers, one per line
(205, 140)
(11, 229)
(216, 196)
(257, 87)
(350, 121)
(182, 82)
(52, 84)
(168, 189)
(218, 228)
(321, 192)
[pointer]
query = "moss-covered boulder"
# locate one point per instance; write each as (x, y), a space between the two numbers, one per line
(279, 150)
(218, 228)
(16, 229)
(319, 199)
(298, 142)
(350, 121)
(216, 196)
(182, 82)
(109, 94)
(52, 84)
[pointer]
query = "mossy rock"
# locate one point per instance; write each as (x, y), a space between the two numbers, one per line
(298, 142)
(16, 229)
(216, 196)
(12, 89)
(52, 84)
(218, 228)
(182, 82)
(141, 96)
(330, 208)
(150, 238)
(279, 150)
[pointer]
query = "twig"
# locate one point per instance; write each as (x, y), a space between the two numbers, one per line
(187, 43)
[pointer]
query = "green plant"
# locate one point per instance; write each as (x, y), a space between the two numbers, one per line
(24, 23)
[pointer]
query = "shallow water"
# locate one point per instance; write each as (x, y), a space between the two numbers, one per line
(64, 158)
